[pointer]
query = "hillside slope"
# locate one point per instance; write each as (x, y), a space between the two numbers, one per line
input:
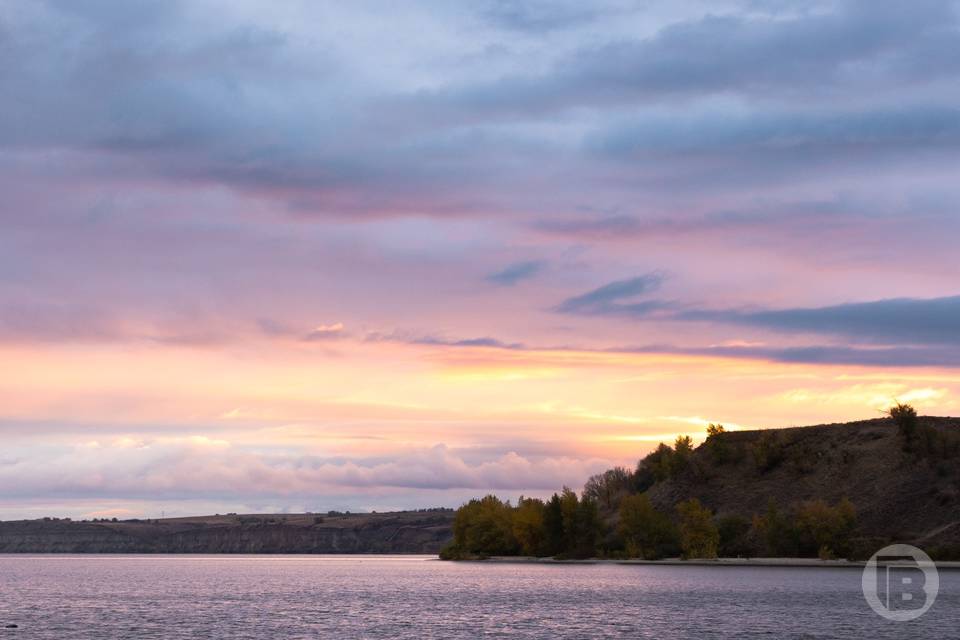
(399, 532)
(899, 495)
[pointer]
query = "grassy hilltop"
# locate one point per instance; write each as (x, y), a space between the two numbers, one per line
(829, 491)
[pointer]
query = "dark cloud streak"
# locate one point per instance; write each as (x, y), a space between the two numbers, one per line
(516, 272)
(609, 299)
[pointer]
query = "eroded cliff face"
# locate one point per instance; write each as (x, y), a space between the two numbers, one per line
(403, 532)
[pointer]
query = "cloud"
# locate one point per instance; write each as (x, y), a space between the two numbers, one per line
(325, 332)
(825, 354)
(536, 16)
(195, 95)
(516, 272)
(852, 47)
(608, 299)
(903, 321)
(815, 223)
(783, 134)
(198, 466)
(899, 322)
(466, 342)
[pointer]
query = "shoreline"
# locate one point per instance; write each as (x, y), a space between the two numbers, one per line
(719, 562)
(801, 563)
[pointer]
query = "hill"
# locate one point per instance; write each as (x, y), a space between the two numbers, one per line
(835, 490)
(398, 532)
(900, 493)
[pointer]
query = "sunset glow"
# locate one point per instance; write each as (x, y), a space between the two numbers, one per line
(299, 258)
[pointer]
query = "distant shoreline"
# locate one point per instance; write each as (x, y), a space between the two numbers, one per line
(399, 532)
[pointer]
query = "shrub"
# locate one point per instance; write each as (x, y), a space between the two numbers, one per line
(655, 467)
(767, 451)
(823, 529)
(682, 451)
(646, 532)
(734, 537)
(699, 537)
(775, 532)
(906, 420)
(717, 445)
(714, 430)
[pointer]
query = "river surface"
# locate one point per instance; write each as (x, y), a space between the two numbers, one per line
(418, 597)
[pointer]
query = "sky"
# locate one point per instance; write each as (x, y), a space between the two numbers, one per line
(268, 256)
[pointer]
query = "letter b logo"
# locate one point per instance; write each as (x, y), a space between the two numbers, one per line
(900, 582)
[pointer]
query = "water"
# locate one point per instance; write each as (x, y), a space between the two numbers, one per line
(418, 597)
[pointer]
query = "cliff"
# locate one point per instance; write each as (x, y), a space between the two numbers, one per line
(400, 532)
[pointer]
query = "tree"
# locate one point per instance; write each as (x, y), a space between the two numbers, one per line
(682, 452)
(699, 537)
(716, 444)
(528, 525)
(553, 539)
(484, 527)
(588, 529)
(776, 532)
(734, 537)
(714, 430)
(608, 487)
(580, 524)
(645, 531)
(656, 466)
(824, 530)
(906, 420)
(569, 505)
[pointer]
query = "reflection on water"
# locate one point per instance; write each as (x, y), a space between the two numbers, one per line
(418, 597)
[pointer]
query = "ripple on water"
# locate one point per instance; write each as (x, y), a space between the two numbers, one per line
(241, 597)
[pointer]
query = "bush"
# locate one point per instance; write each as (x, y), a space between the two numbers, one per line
(767, 451)
(734, 537)
(646, 532)
(906, 420)
(775, 532)
(813, 529)
(823, 529)
(699, 537)
(656, 466)
(682, 451)
(717, 445)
